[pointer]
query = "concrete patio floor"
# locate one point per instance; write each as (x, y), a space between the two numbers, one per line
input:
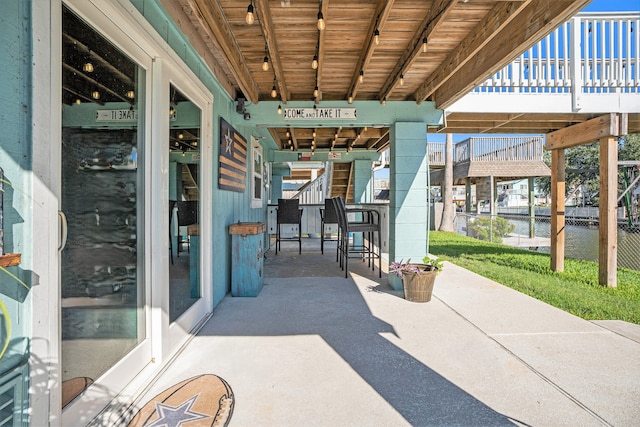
(316, 349)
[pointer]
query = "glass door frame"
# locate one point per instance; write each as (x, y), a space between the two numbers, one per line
(117, 382)
(120, 385)
(178, 75)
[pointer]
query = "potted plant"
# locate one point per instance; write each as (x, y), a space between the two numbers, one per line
(417, 279)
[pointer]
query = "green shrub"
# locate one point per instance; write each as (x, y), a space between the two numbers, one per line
(493, 229)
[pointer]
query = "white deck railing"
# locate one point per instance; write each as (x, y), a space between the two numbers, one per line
(606, 46)
(490, 149)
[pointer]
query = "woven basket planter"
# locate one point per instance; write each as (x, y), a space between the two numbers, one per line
(418, 287)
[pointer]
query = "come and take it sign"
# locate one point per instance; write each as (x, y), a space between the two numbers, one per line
(319, 113)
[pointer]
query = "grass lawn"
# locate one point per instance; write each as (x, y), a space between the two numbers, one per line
(575, 290)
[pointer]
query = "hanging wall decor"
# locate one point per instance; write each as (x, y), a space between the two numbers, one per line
(233, 159)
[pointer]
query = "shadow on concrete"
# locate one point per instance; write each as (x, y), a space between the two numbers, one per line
(333, 308)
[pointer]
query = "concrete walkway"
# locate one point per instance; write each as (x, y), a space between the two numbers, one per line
(316, 349)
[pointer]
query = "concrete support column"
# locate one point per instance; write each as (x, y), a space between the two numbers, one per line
(408, 168)
(362, 181)
(276, 188)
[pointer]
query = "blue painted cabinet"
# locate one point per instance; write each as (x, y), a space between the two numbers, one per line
(247, 258)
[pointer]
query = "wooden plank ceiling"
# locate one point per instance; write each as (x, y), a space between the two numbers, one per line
(466, 41)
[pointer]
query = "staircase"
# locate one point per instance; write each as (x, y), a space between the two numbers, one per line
(342, 181)
(189, 176)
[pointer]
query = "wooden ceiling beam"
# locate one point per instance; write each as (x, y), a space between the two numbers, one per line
(592, 130)
(435, 17)
(547, 117)
(510, 119)
(266, 24)
(324, 7)
(95, 83)
(274, 134)
(514, 34)
(79, 95)
(211, 18)
(382, 13)
(375, 142)
(294, 138)
(487, 28)
(182, 14)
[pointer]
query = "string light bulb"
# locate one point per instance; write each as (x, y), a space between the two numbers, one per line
(88, 67)
(265, 64)
(315, 92)
(314, 63)
(274, 92)
(131, 94)
(95, 94)
(78, 101)
(279, 109)
(350, 100)
(424, 45)
(401, 79)
(361, 76)
(250, 18)
(321, 23)
(376, 37)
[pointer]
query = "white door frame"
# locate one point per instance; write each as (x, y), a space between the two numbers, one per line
(128, 30)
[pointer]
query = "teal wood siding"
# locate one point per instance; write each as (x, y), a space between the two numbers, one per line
(228, 207)
(16, 161)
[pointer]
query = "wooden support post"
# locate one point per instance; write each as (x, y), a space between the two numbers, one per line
(492, 196)
(532, 209)
(608, 247)
(467, 195)
(557, 209)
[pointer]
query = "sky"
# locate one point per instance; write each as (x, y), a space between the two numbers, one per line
(613, 6)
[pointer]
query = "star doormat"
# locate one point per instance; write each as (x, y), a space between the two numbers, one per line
(205, 400)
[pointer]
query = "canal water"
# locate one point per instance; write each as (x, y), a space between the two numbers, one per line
(581, 242)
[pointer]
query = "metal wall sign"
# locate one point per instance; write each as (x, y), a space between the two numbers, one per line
(319, 113)
(124, 115)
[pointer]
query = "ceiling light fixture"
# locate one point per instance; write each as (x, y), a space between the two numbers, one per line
(401, 79)
(321, 23)
(88, 67)
(424, 45)
(250, 18)
(376, 37)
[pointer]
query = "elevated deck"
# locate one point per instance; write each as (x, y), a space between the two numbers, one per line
(504, 158)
